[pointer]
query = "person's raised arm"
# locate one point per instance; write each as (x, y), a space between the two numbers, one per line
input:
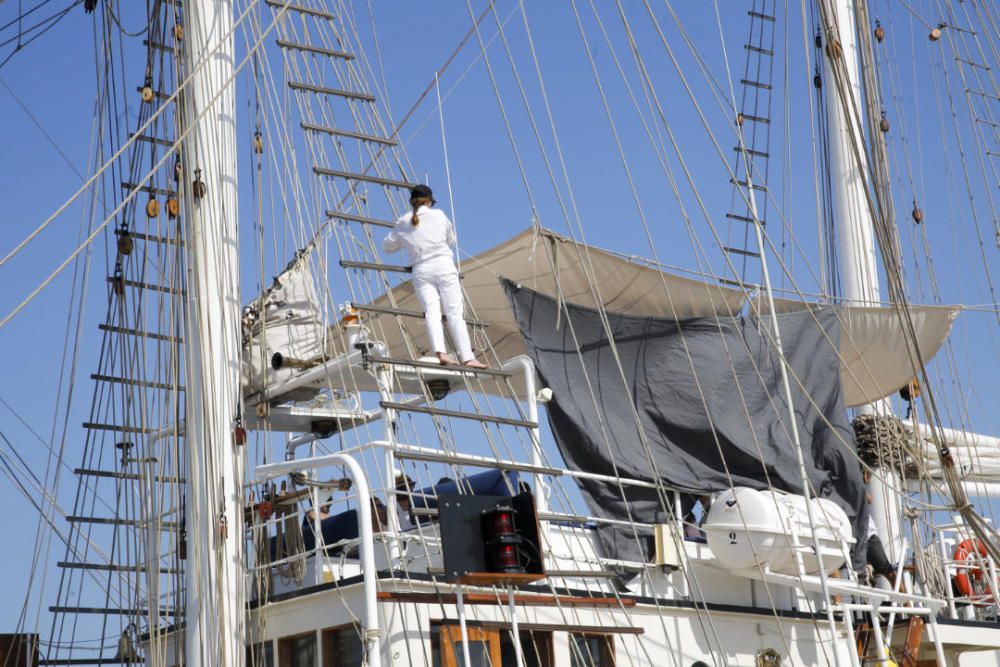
(392, 243)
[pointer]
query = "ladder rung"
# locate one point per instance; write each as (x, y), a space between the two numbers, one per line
(110, 567)
(91, 472)
(117, 428)
(755, 84)
(973, 64)
(339, 92)
(158, 46)
(756, 119)
(150, 286)
(152, 140)
(751, 151)
(140, 334)
(359, 218)
(309, 127)
(167, 611)
(741, 251)
(146, 188)
(323, 171)
(736, 283)
(152, 238)
(743, 218)
(758, 15)
(106, 521)
(156, 93)
(135, 383)
(309, 48)
(743, 184)
(981, 93)
(419, 314)
(758, 49)
(392, 361)
(347, 264)
(441, 412)
(279, 4)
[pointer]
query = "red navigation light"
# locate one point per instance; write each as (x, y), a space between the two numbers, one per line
(502, 540)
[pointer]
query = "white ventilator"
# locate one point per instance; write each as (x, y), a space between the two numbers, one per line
(747, 528)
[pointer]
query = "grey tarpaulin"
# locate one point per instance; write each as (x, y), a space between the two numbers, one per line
(708, 394)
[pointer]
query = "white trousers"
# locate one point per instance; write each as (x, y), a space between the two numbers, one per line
(436, 284)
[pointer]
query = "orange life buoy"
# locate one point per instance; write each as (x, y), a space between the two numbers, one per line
(972, 570)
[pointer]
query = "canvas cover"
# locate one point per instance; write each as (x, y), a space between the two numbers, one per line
(874, 360)
(707, 395)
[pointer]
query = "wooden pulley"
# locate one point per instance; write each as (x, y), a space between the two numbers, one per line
(118, 285)
(261, 410)
(178, 32)
(834, 50)
(173, 207)
(198, 188)
(147, 91)
(879, 31)
(223, 527)
(258, 142)
(239, 436)
(884, 124)
(177, 171)
(917, 214)
(935, 34)
(739, 120)
(817, 79)
(265, 509)
(125, 244)
(152, 208)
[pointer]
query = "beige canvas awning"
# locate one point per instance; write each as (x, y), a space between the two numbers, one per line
(873, 353)
(875, 361)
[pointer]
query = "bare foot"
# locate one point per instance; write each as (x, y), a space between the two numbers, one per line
(446, 360)
(474, 363)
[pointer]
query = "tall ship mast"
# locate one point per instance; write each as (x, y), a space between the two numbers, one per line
(726, 412)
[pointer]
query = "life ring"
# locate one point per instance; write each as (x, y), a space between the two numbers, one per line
(972, 571)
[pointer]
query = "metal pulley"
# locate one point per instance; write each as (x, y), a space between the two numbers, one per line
(198, 188)
(152, 208)
(879, 31)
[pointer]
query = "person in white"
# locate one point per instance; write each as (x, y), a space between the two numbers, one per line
(427, 236)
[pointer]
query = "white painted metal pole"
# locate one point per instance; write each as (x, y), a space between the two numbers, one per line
(463, 628)
(527, 367)
(514, 632)
(856, 248)
(369, 620)
(216, 598)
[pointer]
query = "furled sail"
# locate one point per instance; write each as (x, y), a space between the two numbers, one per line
(695, 404)
(287, 319)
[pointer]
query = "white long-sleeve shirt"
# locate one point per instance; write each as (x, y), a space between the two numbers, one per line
(432, 238)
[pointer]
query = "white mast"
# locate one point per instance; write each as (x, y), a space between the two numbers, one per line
(856, 249)
(215, 566)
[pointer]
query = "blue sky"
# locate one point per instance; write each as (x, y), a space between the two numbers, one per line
(54, 78)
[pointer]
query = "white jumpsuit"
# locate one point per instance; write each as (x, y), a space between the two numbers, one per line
(435, 278)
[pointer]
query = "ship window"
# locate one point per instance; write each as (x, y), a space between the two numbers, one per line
(489, 646)
(260, 655)
(590, 650)
(536, 646)
(342, 647)
(299, 651)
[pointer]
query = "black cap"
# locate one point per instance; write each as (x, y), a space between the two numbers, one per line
(421, 191)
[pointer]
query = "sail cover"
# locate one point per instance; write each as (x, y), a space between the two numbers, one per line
(696, 404)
